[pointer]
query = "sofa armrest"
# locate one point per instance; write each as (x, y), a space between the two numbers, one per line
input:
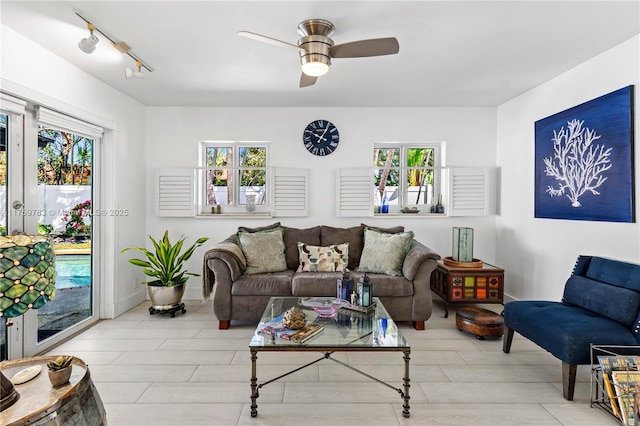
(230, 256)
(418, 253)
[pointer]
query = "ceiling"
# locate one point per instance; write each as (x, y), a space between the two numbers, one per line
(452, 53)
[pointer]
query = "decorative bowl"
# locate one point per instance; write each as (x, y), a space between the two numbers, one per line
(410, 210)
(325, 307)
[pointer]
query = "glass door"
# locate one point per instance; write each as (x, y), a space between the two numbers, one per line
(65, 200)
(6, 126)
(52, 180)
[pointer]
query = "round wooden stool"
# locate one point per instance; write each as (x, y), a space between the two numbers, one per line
(481, 322)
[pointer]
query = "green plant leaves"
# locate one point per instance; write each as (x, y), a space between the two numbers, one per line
(166, 263)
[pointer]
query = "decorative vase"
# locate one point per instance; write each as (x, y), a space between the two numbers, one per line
(250, 203)
(365, 291)
(462, 244)
(344, 286)
(164, 298)
(60, 377)
(384, 208)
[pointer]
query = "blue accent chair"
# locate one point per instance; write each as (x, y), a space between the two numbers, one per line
(600, 305)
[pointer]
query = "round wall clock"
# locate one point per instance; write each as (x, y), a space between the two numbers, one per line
(321, 137)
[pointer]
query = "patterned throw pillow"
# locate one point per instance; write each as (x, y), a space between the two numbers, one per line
(264, 250)
(332, 258)
(384, 253)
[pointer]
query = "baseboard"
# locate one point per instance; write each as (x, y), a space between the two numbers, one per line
(506, 298)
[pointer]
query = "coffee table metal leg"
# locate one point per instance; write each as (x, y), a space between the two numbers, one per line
(254, 384)
(406, 380)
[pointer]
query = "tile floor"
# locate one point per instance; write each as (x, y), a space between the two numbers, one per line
(157, 370)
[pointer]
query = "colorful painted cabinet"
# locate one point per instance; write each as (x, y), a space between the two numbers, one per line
(468, 285)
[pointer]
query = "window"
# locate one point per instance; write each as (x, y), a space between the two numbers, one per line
(233, 170)
(406, 174)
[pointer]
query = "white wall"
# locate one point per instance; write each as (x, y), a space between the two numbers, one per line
(538, 254)
(34, 73)
(174, 134)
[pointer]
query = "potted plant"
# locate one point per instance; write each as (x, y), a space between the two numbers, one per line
(60, 370)
(166, 266)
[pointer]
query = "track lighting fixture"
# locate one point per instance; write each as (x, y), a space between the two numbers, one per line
(130, 73)
(88, 44)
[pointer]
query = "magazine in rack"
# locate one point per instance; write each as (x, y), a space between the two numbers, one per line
(615, 376)
(612, 364)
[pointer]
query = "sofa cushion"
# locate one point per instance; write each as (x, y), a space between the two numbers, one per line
(566, 331)
(616, 303)
(386, 285)
(384, 253)
(270, 284)
(621, 274)
(323, 259)
(315, 284)
(353, 236)
(293, 236)
(264, 251)
(324, 284)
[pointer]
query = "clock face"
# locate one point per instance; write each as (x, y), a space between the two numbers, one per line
(321, 137)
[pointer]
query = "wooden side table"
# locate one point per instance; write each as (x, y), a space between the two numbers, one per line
(75, 403)
(467, 285)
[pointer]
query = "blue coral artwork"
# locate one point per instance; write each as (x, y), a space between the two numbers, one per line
(584, 161)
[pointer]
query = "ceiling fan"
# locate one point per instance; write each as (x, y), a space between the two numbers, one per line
(316, 48)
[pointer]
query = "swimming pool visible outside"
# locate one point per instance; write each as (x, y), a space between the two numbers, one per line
(73, 270)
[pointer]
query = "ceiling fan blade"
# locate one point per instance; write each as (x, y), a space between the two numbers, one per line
(269, 40)
(307, 80)
(365, 48)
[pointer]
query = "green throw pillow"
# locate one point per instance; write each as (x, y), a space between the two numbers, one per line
(384, 253)
(264, 250)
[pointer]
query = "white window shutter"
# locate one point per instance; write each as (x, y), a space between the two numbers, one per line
(175, 193)
(468, 191)
(290, 192)
(354, 192)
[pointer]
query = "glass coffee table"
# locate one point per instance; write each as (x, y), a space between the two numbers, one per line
(346, 331)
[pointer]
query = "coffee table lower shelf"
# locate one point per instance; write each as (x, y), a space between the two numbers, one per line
(255, 386)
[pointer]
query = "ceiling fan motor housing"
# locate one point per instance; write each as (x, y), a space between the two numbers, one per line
(316, 27)
(316, 49)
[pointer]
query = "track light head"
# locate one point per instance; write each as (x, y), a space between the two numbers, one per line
(88, 44)
(130, 73)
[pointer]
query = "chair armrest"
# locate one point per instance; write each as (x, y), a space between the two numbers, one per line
(418, 253)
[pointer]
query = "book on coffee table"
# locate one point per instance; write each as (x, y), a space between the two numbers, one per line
(277, 329)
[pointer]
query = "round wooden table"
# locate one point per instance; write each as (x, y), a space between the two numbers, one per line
(75, 403)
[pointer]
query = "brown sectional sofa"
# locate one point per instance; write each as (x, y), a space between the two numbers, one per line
(237, 296)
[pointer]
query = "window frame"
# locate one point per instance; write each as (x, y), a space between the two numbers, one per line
(235, 207)
(439, 180)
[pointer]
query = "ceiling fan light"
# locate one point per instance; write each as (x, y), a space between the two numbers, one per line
(315, 69)
(88, 44)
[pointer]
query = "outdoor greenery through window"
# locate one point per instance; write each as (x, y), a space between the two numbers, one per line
(232, 172)
(405, 175)
(64, 172)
